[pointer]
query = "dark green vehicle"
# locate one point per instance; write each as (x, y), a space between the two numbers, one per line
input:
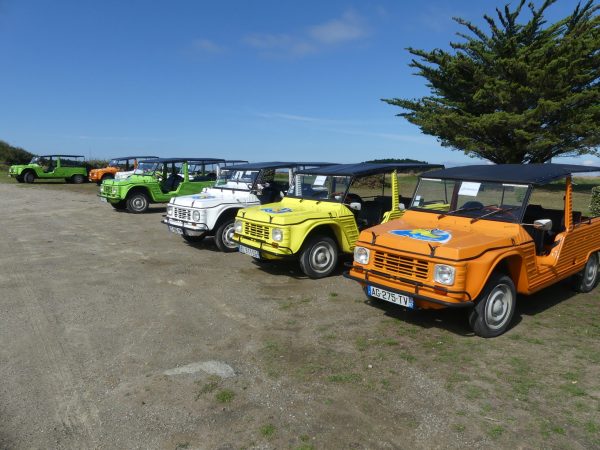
(159, 180)
(72, 168)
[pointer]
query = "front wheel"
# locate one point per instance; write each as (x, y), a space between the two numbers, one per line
(29, 177)
(224, 237)
(495, 307)
(587, 279)
(138, 203)
(193, 239)
(77, 179)
(319, 257)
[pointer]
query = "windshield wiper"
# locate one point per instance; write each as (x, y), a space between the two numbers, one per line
(491, 213)
(475, 208)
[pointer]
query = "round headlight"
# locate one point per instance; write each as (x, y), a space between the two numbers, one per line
(277, 234)
(444, 274)
(361, 255)
(237, 226)
(196, 216)
(114, 190)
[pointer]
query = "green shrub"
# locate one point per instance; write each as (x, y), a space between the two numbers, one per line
(595, 202)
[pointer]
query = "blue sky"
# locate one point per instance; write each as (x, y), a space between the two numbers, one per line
(257, 80)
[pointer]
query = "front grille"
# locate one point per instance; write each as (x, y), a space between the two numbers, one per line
(182, 213)
(256, 231)
(401, 265)
(107, 189)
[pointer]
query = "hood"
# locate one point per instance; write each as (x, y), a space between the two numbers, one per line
(137, 179)
(290, 211)
(450, 237)
(17, 167)
(210, 197)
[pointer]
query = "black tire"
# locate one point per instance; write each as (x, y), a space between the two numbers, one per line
(193, 239)
(119, 206)
(224, 237)
(138, 202)
(588, 278)
(319, 257)
(495, 307)
(28, 177)
(77, 178)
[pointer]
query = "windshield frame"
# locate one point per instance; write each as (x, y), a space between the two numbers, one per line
(142, 174)
(292, 191)
(518, 218)
(244, 186)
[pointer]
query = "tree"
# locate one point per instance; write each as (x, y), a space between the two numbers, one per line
(524, 93)
(13, 155)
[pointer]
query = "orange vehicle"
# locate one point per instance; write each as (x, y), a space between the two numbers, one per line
(123, 164)
(476, 236)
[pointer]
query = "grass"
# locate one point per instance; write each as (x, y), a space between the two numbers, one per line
(267, 431)
(225, 396)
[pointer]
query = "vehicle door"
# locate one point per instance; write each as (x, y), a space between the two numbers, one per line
(49, 166)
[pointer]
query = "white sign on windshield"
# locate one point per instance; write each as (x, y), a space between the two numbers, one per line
(320, 180)
(469, 189)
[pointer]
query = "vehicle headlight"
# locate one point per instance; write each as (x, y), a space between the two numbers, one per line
(114, 190)
(444, 274)
(362, 255)
(237, 226)
(277, 234)
(169, 210)
(196, 216)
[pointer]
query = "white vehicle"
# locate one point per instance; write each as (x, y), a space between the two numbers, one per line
(213, 211)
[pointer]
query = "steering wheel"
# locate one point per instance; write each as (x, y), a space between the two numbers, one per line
(473, 205)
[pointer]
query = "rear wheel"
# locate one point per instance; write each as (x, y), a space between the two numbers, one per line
(587, 279)
(77, 178)
(319, 257)
(138, 203)
(495, 307)
(224, 236)
(29, 177)
(119, 205)
(194, 239)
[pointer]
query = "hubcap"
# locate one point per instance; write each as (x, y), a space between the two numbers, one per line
(591, 270)
(498, 306)
(139, 203)
(321, 257)
(228, 237)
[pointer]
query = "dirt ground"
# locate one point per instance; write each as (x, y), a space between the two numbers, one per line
(115, 333)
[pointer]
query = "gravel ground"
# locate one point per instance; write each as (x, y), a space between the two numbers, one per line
(118, 334)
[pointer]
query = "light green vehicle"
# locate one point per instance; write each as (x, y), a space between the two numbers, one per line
(71, 168)
(158, 181)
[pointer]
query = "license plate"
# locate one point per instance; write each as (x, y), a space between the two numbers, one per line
(392, 297)
(249, 251)
(175, 230)
(103, 199)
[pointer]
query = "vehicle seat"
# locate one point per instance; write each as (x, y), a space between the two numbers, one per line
(171, 183)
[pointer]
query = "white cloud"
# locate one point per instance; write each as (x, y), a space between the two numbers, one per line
(206, 46)
(347, 28)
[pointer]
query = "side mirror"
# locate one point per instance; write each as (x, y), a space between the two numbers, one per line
(543, 224)
(356, 206)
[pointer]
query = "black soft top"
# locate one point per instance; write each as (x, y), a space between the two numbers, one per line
(511, 173)
(61, 156)
(274, 165)
(192, 160)
(361, 169)
(233, 162)
(123, 158)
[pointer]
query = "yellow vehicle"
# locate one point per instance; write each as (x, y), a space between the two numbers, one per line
(476, 236)
(323, 214)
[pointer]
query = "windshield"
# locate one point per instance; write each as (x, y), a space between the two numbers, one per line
(119, 163)
(477, 200)
(146, 168)
(236, 179)
(35, 160)
(321, 187)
